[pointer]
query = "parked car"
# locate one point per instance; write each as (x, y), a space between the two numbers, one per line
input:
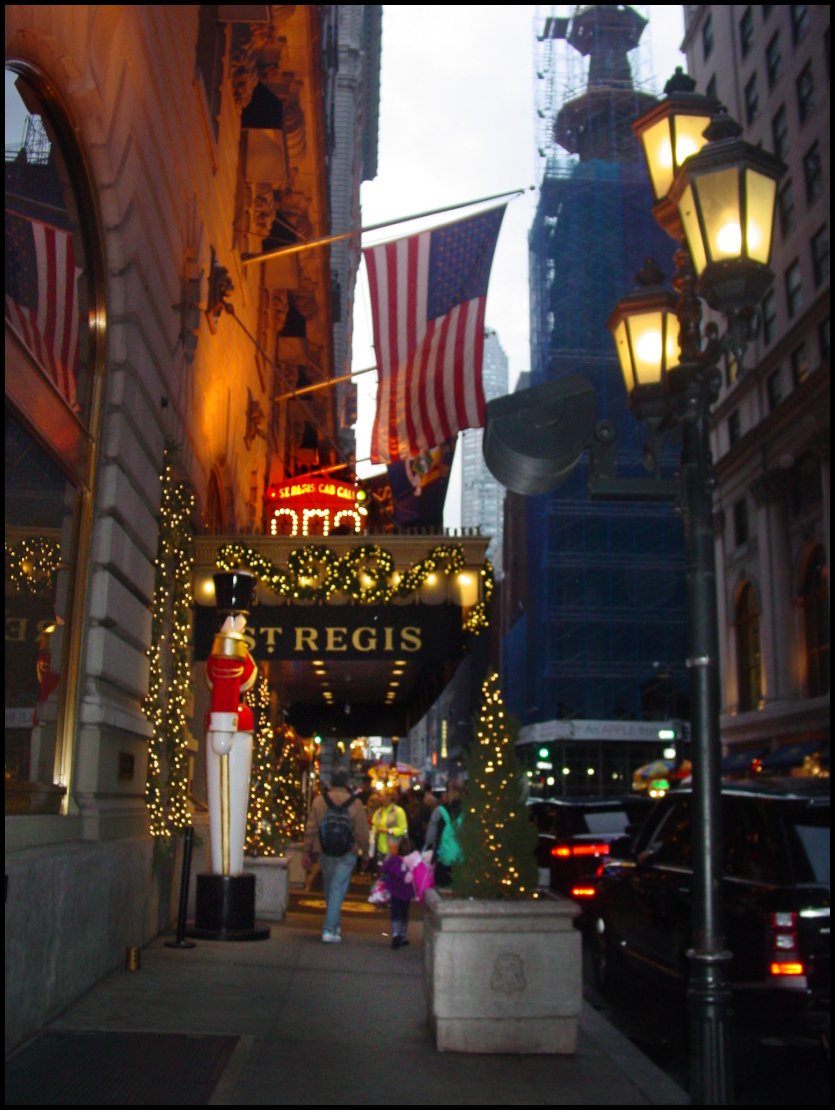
(776, 898)
(577, 834)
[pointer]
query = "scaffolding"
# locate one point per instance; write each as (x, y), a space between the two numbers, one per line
(606, 597)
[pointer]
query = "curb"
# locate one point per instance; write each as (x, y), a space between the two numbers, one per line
(653, 1083)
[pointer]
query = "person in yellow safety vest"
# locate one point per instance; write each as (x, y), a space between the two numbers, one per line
(389, 826)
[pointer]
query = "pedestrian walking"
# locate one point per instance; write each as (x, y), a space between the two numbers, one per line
(419, 822)
(389, 826)
(400, 884)
(441, 834)
(336, 831)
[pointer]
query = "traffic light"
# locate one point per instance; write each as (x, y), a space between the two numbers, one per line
(543, 753)
(317, 740)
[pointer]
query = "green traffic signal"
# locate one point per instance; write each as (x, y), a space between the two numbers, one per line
(543, 753)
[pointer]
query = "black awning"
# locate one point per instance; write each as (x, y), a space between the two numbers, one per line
(741, 761)
(792, 755)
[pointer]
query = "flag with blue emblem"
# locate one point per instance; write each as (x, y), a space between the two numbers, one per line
(428, 294)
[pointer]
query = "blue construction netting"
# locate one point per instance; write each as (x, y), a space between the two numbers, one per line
(606, 582)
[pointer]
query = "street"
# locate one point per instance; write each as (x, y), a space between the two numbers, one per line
(652, 1015)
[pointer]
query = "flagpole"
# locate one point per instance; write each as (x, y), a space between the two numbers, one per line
(323, 385)
(297, 248)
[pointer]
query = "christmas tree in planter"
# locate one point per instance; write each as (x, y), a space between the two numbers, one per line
(263, 830)
(496, 837)
(290, 808)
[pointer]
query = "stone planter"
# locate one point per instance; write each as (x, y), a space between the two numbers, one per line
(270, 886)
(502, 976)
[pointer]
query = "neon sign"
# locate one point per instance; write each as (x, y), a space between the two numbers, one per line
(314, 506)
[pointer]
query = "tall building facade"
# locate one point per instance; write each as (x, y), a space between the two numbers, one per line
(162, 146)
(482, 498)
(603, 612)
(769, 64)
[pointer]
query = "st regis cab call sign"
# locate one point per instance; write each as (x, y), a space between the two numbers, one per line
(307, 506)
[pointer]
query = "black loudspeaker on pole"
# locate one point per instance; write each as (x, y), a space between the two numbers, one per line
(181, 942)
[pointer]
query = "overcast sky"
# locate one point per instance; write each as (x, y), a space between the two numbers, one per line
(457, 123)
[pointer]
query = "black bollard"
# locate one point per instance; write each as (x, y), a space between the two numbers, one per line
(181, 941)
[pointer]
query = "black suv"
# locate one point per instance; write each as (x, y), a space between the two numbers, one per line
(776, 889)
(577, 834)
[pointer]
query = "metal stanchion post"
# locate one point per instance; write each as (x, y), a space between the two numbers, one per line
(181, 942)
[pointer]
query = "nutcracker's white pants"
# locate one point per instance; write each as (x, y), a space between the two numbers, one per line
(240, 764)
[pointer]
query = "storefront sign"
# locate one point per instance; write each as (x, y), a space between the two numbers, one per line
(315, 505)
(342, 632)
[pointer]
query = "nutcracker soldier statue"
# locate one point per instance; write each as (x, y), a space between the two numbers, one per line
(225, 907)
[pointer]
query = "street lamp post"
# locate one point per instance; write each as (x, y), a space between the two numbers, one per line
(715, 195)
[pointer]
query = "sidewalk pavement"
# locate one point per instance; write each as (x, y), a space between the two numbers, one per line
(292, 1021)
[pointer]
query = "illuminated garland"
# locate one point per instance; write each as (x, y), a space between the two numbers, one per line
(31, 566)
(478, 617)
(165, 705)
(365, 574)
(260, 815)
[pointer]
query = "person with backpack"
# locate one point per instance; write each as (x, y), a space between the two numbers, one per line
(441, 834)
(336, 830)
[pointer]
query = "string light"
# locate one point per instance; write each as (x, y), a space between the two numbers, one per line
(170, 672)
(364, 574)
(31, 565)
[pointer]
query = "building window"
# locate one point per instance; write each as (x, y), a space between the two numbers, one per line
(769, 316)
(214, 507)
(751, 99)
(740, 523)
(813, 171)
(805, 85)
(823, 339)
(773, 61)
(800, 364)
(734, 427)
(786, 201)
(814, 599)
(707, 37)
(780, 132)
(747, 624)
(774, 388)
(54, 329)
(800, 21)
(731, 368)
(794, 289)
(820, 256)
(711, 88)
(806, 485)
(746, 31)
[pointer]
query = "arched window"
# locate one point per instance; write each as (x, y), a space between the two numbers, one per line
(214, 507)
(747, 623)
(55, 323)
(814, 599)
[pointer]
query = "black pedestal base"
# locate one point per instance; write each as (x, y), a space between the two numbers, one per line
(225, 909)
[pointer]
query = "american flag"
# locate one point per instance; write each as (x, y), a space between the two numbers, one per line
(41, 299)
(428, 293)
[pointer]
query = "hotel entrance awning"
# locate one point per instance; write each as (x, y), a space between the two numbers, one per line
(344, 666)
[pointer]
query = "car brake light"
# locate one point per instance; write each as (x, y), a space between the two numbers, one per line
(787, 969)
(560, 851)
(600, 870)
(590, 850)
(583, 892)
